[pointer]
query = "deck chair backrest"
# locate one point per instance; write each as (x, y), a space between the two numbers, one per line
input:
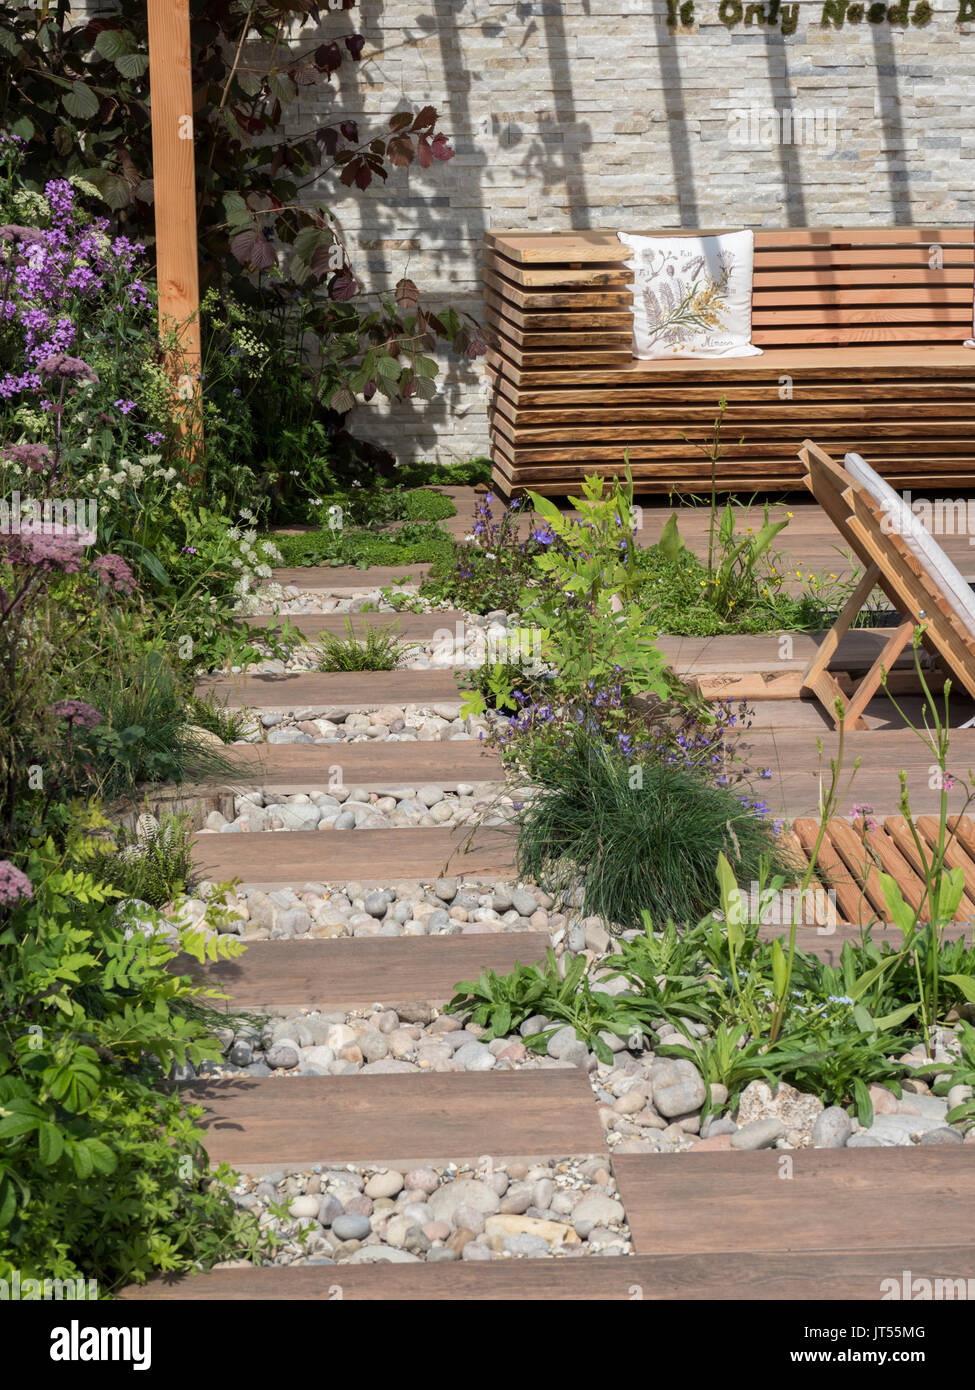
(913, 571)
(943, 575)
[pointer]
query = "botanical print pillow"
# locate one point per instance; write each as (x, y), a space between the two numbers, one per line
(692, 295)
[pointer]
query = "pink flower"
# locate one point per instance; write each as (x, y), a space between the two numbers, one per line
(77, 712)
(36, 457)
(862, 812)
(71, 367)
(14, 884)
(49, 553)
(114, 573)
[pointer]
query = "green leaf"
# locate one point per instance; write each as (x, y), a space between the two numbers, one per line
(50, 1143)
(80, 102)
(671, 541)
(19, 1117)
(901, 915)
(24, 127)
(780, 970)
(898, 1016)
(132, 65)
(113, 43)
(863, 1103)
(950, 893)
(965, 984)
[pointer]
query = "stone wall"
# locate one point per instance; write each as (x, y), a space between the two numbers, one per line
(595, 113)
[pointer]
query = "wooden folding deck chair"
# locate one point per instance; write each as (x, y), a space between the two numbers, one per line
(905, 562)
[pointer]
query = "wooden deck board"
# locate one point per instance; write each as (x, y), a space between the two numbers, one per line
(304, 767)
(406, 627)
(269, 1123)
(347, 579)
(280, 977)
(268, 859)
(739, 1275)
(322, 692)
(836, 1200)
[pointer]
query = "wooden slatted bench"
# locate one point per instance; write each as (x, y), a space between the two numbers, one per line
(861, 331)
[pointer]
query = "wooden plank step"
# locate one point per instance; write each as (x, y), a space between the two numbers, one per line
(305, 767)
(404, 626)
(268, 1123)
(725, 1203)
(319, 692)
(740, 1275)
(267, 859)
(346, 579)
(280, 977)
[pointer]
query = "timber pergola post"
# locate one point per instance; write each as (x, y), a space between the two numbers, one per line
(174, 193)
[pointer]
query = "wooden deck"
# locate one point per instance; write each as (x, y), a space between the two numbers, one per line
(277, 977)
(270, 1124)
(304, 767)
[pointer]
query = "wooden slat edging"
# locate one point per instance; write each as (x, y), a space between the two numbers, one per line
(795, 1277)
(320, 692)
(838, 1200)
(270, 1124)
(269, 859)
(280, 977)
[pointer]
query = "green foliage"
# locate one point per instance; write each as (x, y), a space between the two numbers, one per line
(960, 1073)
(217, 717)
(103, 1175)
(636, 837)
(498, 685)
(409, 544)
(597, 630)
(378, 649)
(467, 474)
(154, 863)
(501, 1003)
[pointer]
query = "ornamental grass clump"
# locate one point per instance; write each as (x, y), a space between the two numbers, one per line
(638, 838)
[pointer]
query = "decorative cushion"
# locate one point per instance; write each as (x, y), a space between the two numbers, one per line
(692, 295)
(899, 518)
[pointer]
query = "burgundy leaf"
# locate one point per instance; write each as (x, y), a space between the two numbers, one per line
(399, 151)
(355, 43)
(440, 149)
(407, 295)
(253, 249)
(401, 120)
(369, 390)
(424, 152)
(328, 57)
(425, 119)
(350, 129)
(327, 139)
(343, 286)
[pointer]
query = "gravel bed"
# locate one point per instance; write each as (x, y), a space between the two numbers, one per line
(442, 908)
(354, 808)
(356, 1214)
(474, 640)
(386, 724)
(291, 598)
(647, 1103)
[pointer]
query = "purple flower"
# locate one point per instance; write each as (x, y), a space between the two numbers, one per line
(62, 554)
(154, 437)
(14, 884)
(114, 573)
(77, 712)
(124, 406)
(70, 367)
(36, 457)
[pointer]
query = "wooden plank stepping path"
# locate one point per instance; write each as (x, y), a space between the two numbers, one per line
(277, 977)
(405, 627)
(283, 859)
(342, 580)
(268, 1124)
(718, 1203)
(776, 1276)
(320, 693)
(831, 1231)
(305, 767)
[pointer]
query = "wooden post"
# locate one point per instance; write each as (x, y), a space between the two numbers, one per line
(174, 185)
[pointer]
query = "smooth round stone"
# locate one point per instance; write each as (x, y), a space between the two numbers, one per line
(305, 1206)
(832, 1128)
(526, 1245)
(350, 1226)
(474, 1056)
(942, 1136)
(388, 1184)
(281, 1057)
(376, 904)
(760, 1134)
